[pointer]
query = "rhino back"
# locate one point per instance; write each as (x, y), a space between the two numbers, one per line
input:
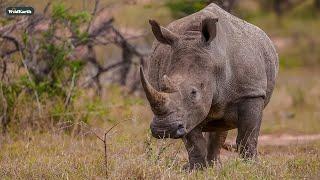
(252, 62)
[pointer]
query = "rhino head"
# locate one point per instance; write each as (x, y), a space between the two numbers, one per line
(186, 95)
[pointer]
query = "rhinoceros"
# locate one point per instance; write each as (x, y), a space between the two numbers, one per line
(208, 73)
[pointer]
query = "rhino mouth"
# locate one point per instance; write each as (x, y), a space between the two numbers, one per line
(174, 130)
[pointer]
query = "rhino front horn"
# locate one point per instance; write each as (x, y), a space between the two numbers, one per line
(156, 99)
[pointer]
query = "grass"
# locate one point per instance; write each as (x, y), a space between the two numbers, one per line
(294, 106)
(59, 156)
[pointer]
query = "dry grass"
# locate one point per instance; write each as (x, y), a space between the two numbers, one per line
(59, 156)
(294, 107)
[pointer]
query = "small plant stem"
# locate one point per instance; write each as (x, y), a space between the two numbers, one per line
(72, 85)
(30, 79)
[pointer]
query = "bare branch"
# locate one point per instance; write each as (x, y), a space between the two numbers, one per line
(17, 44)
(4, 69)
(10, 27)
(72, 85)
(46, 8)
(96, 4)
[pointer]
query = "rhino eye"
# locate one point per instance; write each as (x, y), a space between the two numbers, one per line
(193, 92)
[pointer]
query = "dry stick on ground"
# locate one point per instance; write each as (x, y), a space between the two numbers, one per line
(104, 141)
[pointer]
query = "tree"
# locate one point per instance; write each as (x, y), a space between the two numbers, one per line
(317, 4)
(53, 47)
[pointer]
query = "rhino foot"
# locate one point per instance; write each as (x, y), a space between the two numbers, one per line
(192, 167)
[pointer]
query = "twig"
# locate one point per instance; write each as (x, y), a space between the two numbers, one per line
(67, 102)
(4, 117)
(4, 69)
(30, 79)
(96, 4)
(18, 46)
(104, 141)
(10, 27)
(105, 145)
(46, 8)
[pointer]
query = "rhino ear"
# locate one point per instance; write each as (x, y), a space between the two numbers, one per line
(209, 29)
(162, 34)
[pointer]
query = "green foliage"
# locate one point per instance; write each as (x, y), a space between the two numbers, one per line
(10, 92)
(59, 12)
(82, 36)
(61, 68)
(57, 55)
(80, 17)
(25, 38)
(180, 8)
(97, 108)
(53, 84)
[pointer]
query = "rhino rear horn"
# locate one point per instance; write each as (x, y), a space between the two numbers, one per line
(162, 34)
(170, 86)
(209, 29)
(156, 99)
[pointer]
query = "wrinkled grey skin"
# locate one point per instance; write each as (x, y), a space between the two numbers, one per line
(209, 72)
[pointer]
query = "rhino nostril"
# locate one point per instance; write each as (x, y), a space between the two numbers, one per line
(180, 131)
(180, 126)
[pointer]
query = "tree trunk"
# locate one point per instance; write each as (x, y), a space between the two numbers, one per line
(277, 7)
(126, 58)
(317, 4)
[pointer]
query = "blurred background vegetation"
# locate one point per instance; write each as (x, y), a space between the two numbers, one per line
(74, 65)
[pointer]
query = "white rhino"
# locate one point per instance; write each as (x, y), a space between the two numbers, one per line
(209, 72)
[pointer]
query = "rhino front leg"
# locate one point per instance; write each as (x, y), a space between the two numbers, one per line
(195, 144)
(249, 121)
(215, 140)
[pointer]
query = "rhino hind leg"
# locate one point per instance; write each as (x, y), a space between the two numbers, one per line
(249, 121)
(215, 141)
(195, 144)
